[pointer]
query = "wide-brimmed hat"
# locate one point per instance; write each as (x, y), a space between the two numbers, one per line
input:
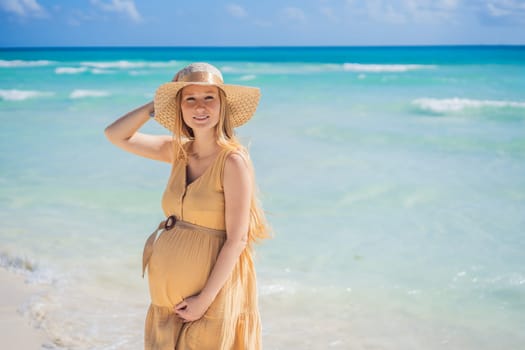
(241, 100)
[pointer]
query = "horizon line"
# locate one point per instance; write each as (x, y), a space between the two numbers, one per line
(254, 46)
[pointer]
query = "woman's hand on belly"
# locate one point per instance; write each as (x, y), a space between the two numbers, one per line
(192, 308)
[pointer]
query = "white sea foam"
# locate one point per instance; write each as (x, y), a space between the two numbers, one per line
(79, 93)
(70, 70)
(379, 68)
(101, 71)
(307, 68)
(27, 267)
(284, 68)
(78, 70)
(21, 95)
(16, 263)
(21, 63)
(458, 104)
(123, 64)
(167, 64)
(113, 64)
(277, 287)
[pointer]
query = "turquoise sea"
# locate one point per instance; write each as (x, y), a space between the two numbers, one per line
(393, 177)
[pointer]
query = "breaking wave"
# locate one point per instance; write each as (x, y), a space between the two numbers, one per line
(21, 95)
(123, 64)
(289, 68)
(27, 267)
(79, 93)
(380, 68)
(21, 63)
(70, 70)
(455, 104)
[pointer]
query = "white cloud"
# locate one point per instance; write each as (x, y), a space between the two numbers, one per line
(76, 17)
(240, 12)
(505, 8)
(125, 7)
(496, 11)
(385, 12)
(236, 11)
(23, 8)
(404, 11)
(329, 13)
(293, 14)
(449, 4)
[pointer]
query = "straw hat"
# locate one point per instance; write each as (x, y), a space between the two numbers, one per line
(242, 101)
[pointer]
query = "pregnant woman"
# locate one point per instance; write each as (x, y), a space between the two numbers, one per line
(199, 260)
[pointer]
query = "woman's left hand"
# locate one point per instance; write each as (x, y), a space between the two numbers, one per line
(192, 308)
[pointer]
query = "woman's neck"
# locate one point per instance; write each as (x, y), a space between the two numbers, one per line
(204, 146)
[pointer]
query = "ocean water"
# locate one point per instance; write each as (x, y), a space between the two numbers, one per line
(393, 178)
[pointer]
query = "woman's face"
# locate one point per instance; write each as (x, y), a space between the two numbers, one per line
(201, 106)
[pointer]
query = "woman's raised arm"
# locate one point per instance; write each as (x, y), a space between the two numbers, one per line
(123, 133)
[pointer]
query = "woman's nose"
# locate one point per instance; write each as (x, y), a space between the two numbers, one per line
(200, 104)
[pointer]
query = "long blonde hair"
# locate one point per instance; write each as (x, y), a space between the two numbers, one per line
(259, 228)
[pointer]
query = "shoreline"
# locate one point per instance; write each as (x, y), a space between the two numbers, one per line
(16, 331)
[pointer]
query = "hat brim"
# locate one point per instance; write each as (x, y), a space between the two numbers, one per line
(242, 102)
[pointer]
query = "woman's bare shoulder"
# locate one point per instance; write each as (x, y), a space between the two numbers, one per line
(236, 164)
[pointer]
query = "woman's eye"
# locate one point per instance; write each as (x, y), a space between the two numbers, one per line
(209, 97)
(190, 99)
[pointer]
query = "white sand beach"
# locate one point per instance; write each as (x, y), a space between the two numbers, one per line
(16, 331)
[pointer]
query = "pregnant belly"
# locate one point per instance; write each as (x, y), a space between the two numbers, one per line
(180, 264)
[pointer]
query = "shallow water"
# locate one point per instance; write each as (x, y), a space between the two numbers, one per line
(393, 179)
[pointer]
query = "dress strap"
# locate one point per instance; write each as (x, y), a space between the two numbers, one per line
(222, 161)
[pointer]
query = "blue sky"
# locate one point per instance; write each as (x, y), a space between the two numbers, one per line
(260, 23)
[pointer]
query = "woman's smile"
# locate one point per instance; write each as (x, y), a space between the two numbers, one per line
(201, 117)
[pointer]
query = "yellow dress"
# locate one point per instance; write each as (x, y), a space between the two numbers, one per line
(180, 260)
